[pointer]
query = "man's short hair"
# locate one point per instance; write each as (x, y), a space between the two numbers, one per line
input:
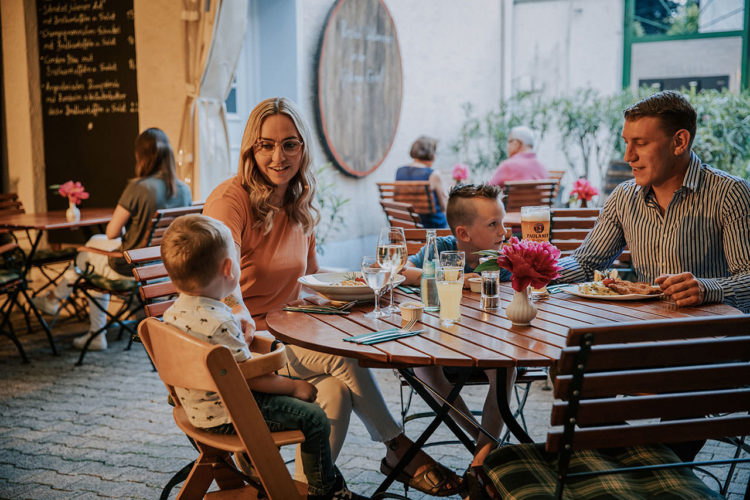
(672, 108)
(524, 134)
(460, 211)
(193, 248)
(424, 148)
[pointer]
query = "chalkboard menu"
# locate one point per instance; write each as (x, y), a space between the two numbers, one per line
(89, 96)
(359, 85)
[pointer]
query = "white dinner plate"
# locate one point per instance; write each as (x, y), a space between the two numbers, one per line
(324, 284)
(573, 290)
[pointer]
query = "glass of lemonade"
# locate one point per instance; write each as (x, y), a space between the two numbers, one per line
(535, 226)
(450, 284)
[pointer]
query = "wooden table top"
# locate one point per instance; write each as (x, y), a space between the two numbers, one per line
(481, 339)
(56, 219)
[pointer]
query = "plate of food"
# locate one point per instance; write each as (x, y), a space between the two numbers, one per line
(615, 289)
(342, 286)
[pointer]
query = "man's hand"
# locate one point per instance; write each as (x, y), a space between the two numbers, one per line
(304, 390)
(683, 288)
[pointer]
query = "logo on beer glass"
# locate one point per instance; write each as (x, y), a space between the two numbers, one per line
(535, 223)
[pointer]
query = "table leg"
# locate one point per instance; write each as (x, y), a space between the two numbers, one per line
(441, 416)
(504, 407)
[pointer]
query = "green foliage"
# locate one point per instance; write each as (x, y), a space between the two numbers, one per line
(330, 203)
(685, 20)
(590, 127)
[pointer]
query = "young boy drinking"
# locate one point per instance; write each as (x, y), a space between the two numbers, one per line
(475, 216)
(199, 255)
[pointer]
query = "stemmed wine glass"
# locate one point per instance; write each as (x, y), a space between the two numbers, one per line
(391, 255)
(375, 277)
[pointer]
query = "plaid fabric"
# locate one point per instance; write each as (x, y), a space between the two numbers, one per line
(123, 285)
(526, 471)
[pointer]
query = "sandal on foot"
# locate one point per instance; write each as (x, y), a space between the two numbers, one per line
(435, 479)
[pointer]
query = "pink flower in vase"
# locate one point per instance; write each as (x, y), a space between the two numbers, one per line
(583, 191)
(531, 262)
(460, 172)
(73, 191)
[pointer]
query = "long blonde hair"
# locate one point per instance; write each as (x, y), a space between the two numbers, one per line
(298, 199)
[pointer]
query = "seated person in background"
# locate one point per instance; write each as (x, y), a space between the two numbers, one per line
(475, 215)
(423, 154)
(687, 225)
(522, 164)
(155, 186)
(201, 260)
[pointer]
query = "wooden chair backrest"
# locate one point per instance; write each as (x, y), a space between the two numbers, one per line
(570, 226)
(416, 238)
(184, 361)
(529, 193)
(10, 204)
(679, 370)
(164, 217)
(416, 193)
(401, 214)
(157, 291)
(556, 175)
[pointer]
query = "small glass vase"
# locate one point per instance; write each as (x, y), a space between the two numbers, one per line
(72, 214)
(521, 310)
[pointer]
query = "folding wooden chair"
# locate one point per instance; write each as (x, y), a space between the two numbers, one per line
(401, 214)
(45, 260)
(183, 361)
(613, 385)
(417, 195)
(529, 193)
(12, 285)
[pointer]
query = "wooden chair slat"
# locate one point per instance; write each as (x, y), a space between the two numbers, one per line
(663, 354)
(593, 412)
(140, 255)
(156, 309)
(401, 214)
(693, 378)
(662, 432)
(157, 290)
(644, 331)
(529, 193)
(415, 193)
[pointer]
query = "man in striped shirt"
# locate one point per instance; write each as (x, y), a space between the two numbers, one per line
(687, 225)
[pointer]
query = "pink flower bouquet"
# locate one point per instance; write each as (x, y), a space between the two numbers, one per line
(531, 262)
(73, 191)
(583, 190)
(460, 172)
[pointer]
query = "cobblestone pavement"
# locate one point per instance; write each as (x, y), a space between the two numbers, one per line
(104, 429)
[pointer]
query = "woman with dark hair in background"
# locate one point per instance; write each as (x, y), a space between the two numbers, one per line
(155, 186)
(423, 154)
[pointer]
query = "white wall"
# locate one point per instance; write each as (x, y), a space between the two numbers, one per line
(450, 54)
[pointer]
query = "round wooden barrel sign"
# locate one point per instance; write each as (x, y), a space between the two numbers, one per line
(359, 85)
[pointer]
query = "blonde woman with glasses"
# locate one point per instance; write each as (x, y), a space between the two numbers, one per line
(268, 206)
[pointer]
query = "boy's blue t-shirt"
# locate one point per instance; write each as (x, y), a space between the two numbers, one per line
(449, 243)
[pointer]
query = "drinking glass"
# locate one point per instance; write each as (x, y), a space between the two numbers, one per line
(391, 256)
(375, 277)
(450, 284)
(535, 226)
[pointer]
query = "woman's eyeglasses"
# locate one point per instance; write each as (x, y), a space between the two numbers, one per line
(265, 148)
